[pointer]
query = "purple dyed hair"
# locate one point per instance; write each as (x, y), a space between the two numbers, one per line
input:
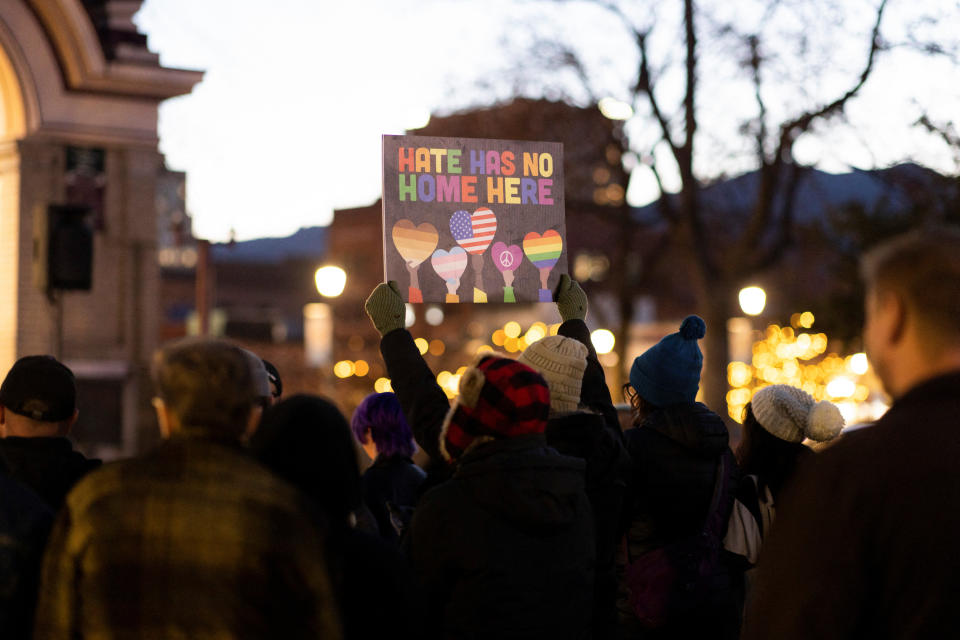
(381, 415)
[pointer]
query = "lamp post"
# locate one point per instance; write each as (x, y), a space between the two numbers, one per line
(740, 330)
(753, 300)
(318, 316)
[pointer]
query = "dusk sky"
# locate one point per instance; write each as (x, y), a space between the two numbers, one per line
(287, 124)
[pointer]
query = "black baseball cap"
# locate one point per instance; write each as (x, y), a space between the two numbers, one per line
(40, 388)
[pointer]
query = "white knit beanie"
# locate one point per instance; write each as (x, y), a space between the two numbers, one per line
(792, 414)
(561, 361)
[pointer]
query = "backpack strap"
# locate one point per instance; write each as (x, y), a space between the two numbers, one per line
(719, 503)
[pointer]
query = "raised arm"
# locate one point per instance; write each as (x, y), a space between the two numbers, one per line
(424, 403)
(572, 305)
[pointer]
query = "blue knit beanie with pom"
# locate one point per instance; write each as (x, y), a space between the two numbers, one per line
(668, 373)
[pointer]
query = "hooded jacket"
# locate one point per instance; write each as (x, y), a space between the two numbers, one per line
(48, 466)
(505, 548)
(25, 523)
(675, 455)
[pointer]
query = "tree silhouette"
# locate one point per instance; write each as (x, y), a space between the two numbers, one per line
(776, 63)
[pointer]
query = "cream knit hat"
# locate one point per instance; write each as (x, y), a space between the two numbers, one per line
(792, 414)
(561, 361)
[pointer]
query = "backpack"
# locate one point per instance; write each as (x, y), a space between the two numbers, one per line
(670, 581)
(750, 520)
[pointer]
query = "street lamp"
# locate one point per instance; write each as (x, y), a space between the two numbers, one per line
(603, 340)
(318, 316)
(330, 281)
(753, 300)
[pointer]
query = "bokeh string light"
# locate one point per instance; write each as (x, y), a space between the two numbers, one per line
(800, 359)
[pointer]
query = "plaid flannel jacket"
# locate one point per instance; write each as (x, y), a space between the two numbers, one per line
(194, 540)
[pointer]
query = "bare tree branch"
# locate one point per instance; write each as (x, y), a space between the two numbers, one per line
(771, 173)
(664, 204)
(790, 130)
(645, 86)
(690, 193)
(945, 132)
(755, 62)
(784, 235)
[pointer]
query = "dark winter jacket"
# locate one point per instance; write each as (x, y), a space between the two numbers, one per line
(25, 523)
(390, 490)
(594, 436)
(505, 548)
(48, 466)
(865, 541)
(675, 454)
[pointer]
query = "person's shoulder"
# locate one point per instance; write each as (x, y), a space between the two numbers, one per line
(100, 482)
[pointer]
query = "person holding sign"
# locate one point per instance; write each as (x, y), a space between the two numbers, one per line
(505, 547)
(583, 423)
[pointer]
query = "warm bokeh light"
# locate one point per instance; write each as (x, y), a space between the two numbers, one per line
(512, 329)
(499, 337)
(382, 385)
(536, 332)
(437, 347)
(422, 345)
(791, 356)
(609, 359)
(603, 340)
(361, 368)
(330, 280)
(806, 320)
(752, 300)
(449, 382)
(858, 363)
(343, 369)
(841, 387)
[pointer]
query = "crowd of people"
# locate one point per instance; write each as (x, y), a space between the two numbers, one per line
(535, 516)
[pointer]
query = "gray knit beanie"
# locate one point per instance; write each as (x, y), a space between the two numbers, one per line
(792, 414)
(562, 362)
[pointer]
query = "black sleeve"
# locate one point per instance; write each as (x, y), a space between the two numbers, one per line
(594, 393)
(424, 403)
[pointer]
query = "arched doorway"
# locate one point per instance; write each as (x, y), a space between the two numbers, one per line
(12, 129)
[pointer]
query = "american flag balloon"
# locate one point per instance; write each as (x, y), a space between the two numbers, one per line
(474, 232)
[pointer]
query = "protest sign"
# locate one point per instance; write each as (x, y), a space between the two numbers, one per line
(476, 220)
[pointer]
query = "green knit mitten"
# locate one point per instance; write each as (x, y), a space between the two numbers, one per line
(571, 300)
(386, 308)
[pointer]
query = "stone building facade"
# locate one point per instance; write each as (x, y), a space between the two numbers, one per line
(79, 94)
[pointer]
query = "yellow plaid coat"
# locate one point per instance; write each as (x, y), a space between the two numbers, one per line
(194, 540)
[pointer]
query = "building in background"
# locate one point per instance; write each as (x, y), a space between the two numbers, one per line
(450, 335)
(79, 94)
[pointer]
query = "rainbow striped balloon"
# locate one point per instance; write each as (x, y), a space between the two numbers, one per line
(474, 232)
(543, 250)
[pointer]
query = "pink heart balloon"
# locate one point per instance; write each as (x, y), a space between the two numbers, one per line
(506, 258)
(449, 265)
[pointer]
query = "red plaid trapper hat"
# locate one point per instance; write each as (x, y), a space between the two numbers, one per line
(499, 398)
